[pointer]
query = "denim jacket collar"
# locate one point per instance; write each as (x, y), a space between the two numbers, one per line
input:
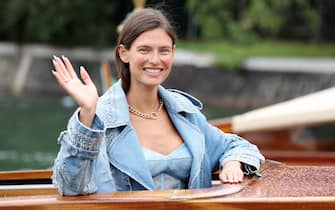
(114, 107)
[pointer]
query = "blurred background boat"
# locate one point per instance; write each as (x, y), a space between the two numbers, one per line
(298, 131)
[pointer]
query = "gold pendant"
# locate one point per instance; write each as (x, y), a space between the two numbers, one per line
(154, 115)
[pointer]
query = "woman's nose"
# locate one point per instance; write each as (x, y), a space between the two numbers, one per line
(154, 58)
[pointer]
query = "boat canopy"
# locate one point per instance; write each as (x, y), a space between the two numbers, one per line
(311, 109)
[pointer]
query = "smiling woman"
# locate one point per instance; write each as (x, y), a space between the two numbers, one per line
(139, 135)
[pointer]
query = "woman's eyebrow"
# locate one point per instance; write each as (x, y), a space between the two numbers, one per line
(143, 46)
(148, 46)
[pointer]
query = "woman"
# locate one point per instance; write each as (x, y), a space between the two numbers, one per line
(139, 135)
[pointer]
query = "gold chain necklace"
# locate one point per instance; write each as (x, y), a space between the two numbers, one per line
(151, 116)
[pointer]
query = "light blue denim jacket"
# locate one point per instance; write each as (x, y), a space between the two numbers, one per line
(108, 156)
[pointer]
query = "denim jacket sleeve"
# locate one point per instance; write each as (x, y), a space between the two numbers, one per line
(223, 147)
(73, 168)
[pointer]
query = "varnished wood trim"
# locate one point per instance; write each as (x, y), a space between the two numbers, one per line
(224, 124)
(26, 174)
(112, 201)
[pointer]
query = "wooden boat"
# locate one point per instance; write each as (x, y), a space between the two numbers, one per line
(298, 131)
(26, 182)
(280, 187)
(305, 181)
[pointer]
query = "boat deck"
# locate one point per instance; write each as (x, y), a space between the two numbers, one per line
(280, 187)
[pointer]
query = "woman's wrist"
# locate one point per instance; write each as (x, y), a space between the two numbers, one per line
(234, 163)
(86, 116)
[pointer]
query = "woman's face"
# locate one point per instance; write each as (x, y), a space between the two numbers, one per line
(150, 58)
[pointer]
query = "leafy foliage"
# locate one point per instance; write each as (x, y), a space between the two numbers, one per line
(244, 21)
(81, 22)
(65, 22)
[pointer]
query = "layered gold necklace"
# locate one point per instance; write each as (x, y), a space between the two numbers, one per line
(151, 115)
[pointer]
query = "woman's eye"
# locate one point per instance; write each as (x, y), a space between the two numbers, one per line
(165, 51)
(143, 50)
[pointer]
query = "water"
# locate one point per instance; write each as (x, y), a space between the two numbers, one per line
(30, 127)
(29, 131)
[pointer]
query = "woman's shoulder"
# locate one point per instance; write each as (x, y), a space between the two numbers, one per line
(112, 105)
(180, 101)
(113, 94)
(186, 97)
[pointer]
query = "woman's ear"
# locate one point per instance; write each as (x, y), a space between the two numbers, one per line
(123, 52)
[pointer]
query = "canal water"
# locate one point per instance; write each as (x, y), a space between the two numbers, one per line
(30, 127)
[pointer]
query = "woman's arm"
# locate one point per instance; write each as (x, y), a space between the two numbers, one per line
(73, 169)
(229, 152)
(74, 166)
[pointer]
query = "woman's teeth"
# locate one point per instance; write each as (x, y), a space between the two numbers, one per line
(152, 70)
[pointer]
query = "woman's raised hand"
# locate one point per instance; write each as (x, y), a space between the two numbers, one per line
(84, 93)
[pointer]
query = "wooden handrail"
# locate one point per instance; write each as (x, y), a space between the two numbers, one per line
(25, 175)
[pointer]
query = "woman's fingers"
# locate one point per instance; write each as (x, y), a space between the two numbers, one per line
(85, 76)
(59, 79)
(61, 68)
(69, 67)
(231, 177)
(231, 172)
(58, 70)
(64, 72)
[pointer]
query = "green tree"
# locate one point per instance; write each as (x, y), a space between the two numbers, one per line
(212, 16)
(74, 22)
(274, 18)
(244, 20)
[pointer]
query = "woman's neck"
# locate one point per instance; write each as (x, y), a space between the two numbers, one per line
(143, 100)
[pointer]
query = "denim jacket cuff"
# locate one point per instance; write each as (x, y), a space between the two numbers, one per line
(83, 137)
(250, 165)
